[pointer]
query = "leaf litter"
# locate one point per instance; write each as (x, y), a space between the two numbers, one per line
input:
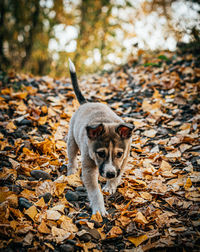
(157, 203)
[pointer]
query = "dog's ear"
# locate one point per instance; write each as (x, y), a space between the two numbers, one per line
(125, 130)
(94, 131)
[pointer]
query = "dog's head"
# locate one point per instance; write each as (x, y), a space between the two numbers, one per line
(109, 146)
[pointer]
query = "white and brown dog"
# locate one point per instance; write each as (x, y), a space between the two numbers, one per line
(104, 142)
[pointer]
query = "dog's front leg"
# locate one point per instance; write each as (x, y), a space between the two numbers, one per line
(90, 180)
(72, 150)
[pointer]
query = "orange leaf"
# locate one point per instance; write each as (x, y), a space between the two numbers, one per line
(20, 95)
(138, 240)
(40, 203)
(42, 228)
(140, 218)
(97, 217)
(31, 212)
(42, 120)
(114, 232)
(44, 109)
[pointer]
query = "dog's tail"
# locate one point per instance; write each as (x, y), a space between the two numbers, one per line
(77, 91)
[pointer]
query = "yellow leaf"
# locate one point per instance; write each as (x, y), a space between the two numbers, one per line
(31, 212)
(124, 220)
(74, 180)
(140, 218)
(17, 213)
(59, 188)
(165, 166)
(146, 196)
(20, 95)
(97, 217)
(67, 224)
(6, 91)
(42, 228)
(13, 224)
(4, 193)
(13, 200)
(42, 120)
(188, 184)
(11, 126)
(138, 240)
(31, 90)
(40, 203)
(44, 109)
(114, 232)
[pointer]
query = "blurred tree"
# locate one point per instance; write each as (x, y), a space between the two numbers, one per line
(25, 30)
(27, 27)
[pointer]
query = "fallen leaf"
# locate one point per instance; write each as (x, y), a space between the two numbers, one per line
(114, 232)
(42, 228)
(53, 215)
(97, 217)
(31, 212)
(150, 133)
(140, 218)
(138, 240)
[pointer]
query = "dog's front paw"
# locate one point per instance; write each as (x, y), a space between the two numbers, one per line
(100, 209)
(110, 188)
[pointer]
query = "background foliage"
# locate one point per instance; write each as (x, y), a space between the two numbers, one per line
(92, 33)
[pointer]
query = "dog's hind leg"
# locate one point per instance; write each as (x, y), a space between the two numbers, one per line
(72, 150)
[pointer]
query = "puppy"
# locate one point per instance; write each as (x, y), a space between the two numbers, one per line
(104, 142)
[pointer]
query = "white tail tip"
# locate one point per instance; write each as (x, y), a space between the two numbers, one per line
(71, 66)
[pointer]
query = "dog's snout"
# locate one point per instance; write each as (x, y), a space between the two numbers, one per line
(110, 174)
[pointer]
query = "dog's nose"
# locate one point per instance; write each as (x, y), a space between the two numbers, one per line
(110, 174)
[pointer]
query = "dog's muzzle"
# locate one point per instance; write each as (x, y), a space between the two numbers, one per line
(108, 171)
(110, 174)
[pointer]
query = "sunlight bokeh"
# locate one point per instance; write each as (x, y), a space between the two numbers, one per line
(147, 31)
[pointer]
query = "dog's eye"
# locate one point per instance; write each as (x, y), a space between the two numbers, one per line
(119, 154)
(101, 154)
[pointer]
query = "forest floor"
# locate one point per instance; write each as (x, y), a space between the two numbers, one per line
(155, 208)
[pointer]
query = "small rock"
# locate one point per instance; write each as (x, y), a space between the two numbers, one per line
(71, 196)
(72, 242)
(81, 189)
(39, 174)
(82, 195)
(21, 177)
(24, 122)
(67, 248)
(46, 196)
(83, 216)
(63, 168)
(84, 236)
(24, 203)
